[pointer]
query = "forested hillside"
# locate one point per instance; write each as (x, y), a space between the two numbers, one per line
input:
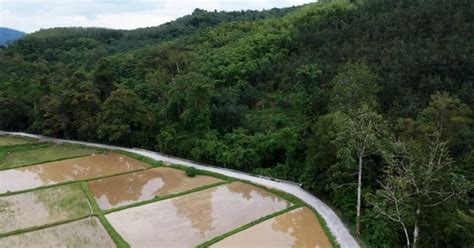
(367, 103)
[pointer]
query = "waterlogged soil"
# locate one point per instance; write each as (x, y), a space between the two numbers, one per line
(144, 185)
(191, 219)
(42, 155)
(10, 140)
(83, 233)
(297, 228)
(93, 166)
(42, 207)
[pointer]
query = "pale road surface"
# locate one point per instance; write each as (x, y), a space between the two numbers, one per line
(338, 229)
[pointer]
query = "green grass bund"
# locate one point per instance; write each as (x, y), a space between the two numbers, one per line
(247, 226)
(157, 198)
(4, 152)
(119, 241)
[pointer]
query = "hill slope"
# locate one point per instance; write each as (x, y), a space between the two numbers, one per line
(8, 35)
(290, 94)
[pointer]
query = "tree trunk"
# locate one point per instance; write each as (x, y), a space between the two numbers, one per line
(35, 111)
(359, 195)
(416, 230)
(406, 236)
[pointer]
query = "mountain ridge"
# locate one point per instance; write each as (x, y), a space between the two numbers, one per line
(9, 35)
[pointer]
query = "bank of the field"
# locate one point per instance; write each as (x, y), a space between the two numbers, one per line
(328, 217)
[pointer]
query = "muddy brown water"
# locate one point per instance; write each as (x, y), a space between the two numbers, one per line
(42, 207)
(88, 167)
(144, 185)
(82, 233)
(191, 219)
(295, 229)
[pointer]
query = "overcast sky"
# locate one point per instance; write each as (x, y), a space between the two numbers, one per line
(31, 15)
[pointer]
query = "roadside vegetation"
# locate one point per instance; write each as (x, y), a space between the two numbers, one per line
(191, 171)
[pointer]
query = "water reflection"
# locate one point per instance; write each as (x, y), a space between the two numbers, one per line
(189, 220)
(66, 170)
(126, 189)
(298, 228)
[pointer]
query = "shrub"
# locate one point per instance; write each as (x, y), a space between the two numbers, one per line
(191, 172)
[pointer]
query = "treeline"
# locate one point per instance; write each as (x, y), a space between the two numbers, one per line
(367, 103)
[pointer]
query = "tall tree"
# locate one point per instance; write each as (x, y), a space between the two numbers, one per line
(121, 115)
(363, 136)
(354, 95)
(418, 178)
(105, 78)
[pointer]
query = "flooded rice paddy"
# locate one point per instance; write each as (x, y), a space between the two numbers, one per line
(126, 189)
(93, 166)
(43, 154)
(87, 232)
(42, 207)
(194, 218)
(59, 216)
(297, 228)
(11, 140)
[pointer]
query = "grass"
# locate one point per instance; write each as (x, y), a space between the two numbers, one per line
(69, 182)
(119, 241)
(157, 198)
(6, 150)
(191, 171)
(36, 228)
(152, 162)
(289, 197)
(84, 232)
(298, 202)
(96, 211)
(71, 199)
(246, 226)
(42, 153)
(43, 207)
(203, 172)
(8, 140)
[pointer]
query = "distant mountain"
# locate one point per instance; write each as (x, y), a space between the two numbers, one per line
(8, 35)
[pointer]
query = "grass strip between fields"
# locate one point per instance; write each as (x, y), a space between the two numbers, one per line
(289, 197)
(157, 198)
(6, 151)
(22, 140)
(247, 226)
(297, 201)
(119, 241)
(36, 228)
(56, 223)
(156, 164)
(70, 182)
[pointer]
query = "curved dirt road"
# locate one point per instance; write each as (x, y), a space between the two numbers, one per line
(338, 229)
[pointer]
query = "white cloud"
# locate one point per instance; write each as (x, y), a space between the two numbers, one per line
(30, 15)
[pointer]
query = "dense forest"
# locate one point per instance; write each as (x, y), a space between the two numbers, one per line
(368, 104)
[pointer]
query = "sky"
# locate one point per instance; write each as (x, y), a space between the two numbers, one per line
(31, 15)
